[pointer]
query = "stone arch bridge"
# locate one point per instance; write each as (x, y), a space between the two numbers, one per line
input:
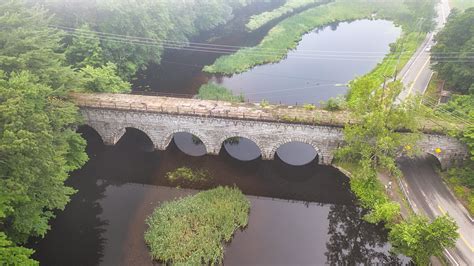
(214, 122)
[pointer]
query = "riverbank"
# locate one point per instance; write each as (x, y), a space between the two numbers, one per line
(286, 35)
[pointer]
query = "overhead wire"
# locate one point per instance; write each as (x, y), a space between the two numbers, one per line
(211, 49)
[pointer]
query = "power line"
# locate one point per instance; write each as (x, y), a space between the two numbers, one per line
(209, 47)
(227, 52)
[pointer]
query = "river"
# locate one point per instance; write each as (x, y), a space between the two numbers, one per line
(301, 212)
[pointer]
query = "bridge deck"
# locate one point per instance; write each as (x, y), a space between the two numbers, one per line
(248, 111)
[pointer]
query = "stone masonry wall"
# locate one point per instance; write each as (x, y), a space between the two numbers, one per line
(111, 124)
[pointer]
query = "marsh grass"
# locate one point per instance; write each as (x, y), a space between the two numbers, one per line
(258, 21)
(192, 230)
(286, 35)
(187, 175)
(217, 92)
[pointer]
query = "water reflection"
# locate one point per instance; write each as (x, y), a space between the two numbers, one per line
(299, 215)
(189, 144)
(324, 60)
(242, 149)
(354, 241)
(296, 153)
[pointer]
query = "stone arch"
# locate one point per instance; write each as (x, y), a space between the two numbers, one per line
(92, 128)
(253, 139)
(274, 148)
(144, 130)
(170, 134)
(257, 142)
(108, 133)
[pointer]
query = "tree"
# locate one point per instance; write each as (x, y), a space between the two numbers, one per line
(103, 79)
(13, 255)
(85, 49)
(38, 147)
(452, 54)
(27, 43)
(420, 239)
(377, 139)
(38, 142)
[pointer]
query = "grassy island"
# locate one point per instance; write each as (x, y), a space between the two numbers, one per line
(192, 230)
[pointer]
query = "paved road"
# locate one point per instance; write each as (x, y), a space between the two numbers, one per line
(429, 195)
(426, 191)
(416, 74)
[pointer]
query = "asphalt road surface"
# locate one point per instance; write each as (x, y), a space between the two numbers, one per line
(429, 195)
(416, 74)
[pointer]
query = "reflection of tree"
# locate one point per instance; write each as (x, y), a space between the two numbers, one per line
(196, 140)
(355, 241)
(75, 237)
(232, 141)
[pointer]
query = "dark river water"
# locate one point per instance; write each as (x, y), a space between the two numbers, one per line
(324, 61)
(302, 213)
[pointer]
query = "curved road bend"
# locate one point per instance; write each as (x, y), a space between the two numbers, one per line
(429, 195)
(416, 74)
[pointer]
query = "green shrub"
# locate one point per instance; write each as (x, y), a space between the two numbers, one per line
(309, 107)
(213, 91)
(185, 174)
(334, 104)
(192, 230)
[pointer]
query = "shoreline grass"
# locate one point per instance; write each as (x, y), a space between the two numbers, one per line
(260, 20)
(286, 35)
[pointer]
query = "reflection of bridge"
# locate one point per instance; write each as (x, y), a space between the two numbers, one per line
(214, 122)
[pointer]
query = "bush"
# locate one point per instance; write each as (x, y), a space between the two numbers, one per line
(213, 91)
(309, 107)
(185, 174)
(192, 230)
(334, 104)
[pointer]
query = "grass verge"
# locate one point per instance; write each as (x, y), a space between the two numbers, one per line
(213, 91)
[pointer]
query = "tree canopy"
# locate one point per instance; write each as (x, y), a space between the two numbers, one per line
(452, 54)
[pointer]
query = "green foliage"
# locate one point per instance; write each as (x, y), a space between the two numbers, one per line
(420, 239)
(185, 174)
(84, 50)
(309, 107)
(376, 138)
(27, 43)
(38, 142)
(157, 20)
(213, 91)
(456, 39)
(13, 255)
(286, 35)
(461, 180)
(264, 103)
(103, 79)
(258, 21)
(461, 4)
(371, 194)
(192, 230)
(334, 104)
(38, 147)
